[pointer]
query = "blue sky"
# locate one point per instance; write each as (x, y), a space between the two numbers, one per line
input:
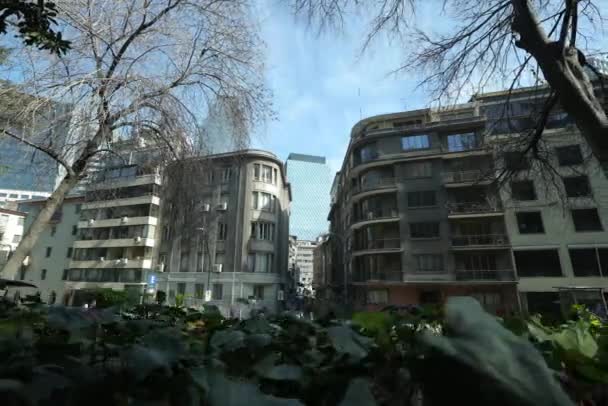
(322, 86)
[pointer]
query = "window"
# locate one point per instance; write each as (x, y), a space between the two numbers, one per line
(421, 199)
(13, 196)
(256, 171)
(262, 231)
(22, 273)
(531, 263)
(184, 261)
(64, 275)
(218, 291)
(266, 174)
(48, 251)
(479, 262)
(275, 178)
(16, 239)
(74, 230)
(222, 231)
(226, 174)
(258, 292)
(530, 222)
(523, 190)
(367, 153)
(210, 177)
(181, 288)
(69, 253)
(43, 274)
(260, 262)
(418, 170)
(569, 155)
(424, 230)
(377, 296)
(584, 262)
(220, 258)
(20, 221)
(577, 186)
(415, 142)
(516, 161)
(77, 208)
(53, 230)
(462, 142)
(166, 233)
(263, 201)
(429, 263)
(586, 220)
(199, 290)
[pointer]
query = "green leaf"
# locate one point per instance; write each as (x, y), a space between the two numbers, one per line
(576, 339)
(346, 341)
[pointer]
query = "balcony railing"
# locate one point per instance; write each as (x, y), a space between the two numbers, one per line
(378, 275)
(480, 240)
(377, 214)
(462, 176)
(377, 183)
(379, 244)
(486, 275)
(472, 208)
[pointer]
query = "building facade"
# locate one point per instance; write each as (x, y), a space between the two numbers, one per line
(224, 236)
(11, 231)
(47, 265)
(305, 267)
(310, 179)
(418, 215)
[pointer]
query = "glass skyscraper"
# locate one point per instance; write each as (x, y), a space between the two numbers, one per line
(310, 179)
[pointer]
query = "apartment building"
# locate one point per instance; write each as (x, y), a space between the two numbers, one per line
(224, 238)
(417, 215)
(305, 267)
(117, 232)
(47, 265)
(11, 231)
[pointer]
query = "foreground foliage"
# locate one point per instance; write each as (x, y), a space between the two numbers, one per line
(162, 355)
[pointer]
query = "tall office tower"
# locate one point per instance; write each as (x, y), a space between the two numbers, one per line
(310, 179)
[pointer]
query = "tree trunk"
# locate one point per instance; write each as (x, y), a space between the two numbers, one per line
(565, 74)
(31, 235)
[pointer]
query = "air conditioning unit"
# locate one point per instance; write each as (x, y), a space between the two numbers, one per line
(124, 261)
(160, 267)
(124, 220)
(218, 268)
(280, 295)
(137, 239)
(102, 258)
(91, 222)
(206, 207)
(223, 206)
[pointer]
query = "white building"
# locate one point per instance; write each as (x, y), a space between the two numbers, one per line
(304, 266)
(47, 264)
(11, 230)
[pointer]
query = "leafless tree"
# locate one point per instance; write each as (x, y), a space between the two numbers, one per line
(152, 66)
(489, 42)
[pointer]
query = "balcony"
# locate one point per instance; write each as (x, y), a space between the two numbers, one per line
(473, 209)
(390, 244)
(464, 178)
(374, 184)
(129, 201)
(117, 242)
(384, 214)
(362, 276)
(112, 263)
(479, 241)
(502, 275)
(116, 222)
